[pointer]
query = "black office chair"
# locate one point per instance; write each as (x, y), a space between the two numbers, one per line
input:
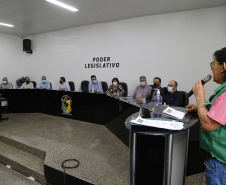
(104, 86)
(34, 84)
(185, 97)
(50, 85)
(125, 87)
(85, 86)
(72, 85)
(211, 97)
(165, 90)
(20, 81)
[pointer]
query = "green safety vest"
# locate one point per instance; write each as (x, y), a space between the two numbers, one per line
(215, 141)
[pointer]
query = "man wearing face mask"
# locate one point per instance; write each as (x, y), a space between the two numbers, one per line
(95, 86)
(44, 84)
(27, 84)
(157, 86)
(142, 90)
(173, 97)
(5, 84)
(63, 85)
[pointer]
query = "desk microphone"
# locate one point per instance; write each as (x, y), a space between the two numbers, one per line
(207, 78)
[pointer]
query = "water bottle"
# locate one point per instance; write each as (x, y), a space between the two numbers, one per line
(157, 115)
(144, 101)
(117, 94)
(128, 98)
(158, 98)
(92, 89)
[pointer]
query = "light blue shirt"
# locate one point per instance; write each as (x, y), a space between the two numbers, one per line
(97, 87)
(43, 85)
(65, 86)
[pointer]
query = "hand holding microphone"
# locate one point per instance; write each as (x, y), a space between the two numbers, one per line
(199, 92)
(206, 79)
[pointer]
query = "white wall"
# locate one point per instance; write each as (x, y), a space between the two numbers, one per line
(11, 58)
(176, 46)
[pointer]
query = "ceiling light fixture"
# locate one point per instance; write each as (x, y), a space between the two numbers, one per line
(4, 24)
(63, 5)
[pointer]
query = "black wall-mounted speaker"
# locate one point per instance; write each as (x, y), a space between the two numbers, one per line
(26, 45)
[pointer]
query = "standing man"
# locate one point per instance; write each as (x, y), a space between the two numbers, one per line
(27, 84)
(95, 86)
(44, 84)
(142, 90)
(5, 84)
(173, 97)
(63, 85)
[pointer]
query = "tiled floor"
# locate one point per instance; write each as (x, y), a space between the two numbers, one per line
(61, 138)
(104, 159)
(11, 177)
(197, 179)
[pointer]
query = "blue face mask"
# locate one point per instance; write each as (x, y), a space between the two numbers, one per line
(44, 81)
(94, 81)
(142, 83)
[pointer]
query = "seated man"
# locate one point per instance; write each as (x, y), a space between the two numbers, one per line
(142, 90)
(44, 84)
(95, 86)
(173, 97)
(157, 86)
(27, 84)
(5, 84)
(63, 85)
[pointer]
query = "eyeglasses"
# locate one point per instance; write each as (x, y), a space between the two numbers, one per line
(211, 64)
(171, 85)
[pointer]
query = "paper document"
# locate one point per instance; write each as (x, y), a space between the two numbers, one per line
(175, 113)
(165, 124)
(3, 103)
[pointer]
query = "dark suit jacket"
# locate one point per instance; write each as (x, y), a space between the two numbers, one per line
(163, 92)
(175, 99)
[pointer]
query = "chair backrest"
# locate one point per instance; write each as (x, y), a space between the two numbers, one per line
(34, 84)
(165, 89)
(85, 86)
(104, 86)
(185, 97)
(72, 85)
(50, 85)
(20, 81)
(125, 87)
(211, 97)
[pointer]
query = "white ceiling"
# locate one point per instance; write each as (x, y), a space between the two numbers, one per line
(38, 16)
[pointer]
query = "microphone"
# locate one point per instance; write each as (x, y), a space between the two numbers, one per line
(206, 79)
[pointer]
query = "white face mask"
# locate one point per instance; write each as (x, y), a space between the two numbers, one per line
(170, 89)
(4, 82)
(115, 83)
(94, 81)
